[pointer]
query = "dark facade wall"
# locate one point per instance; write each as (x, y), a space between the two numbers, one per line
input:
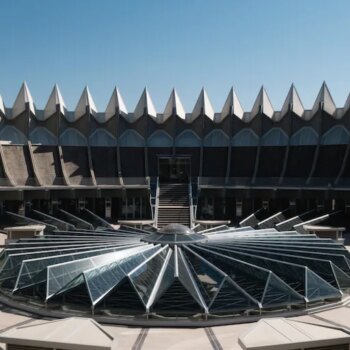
(132, 161)
(330, 160)
(76, 163)
(243, 161)
(271, 160)
(104, 161)
(300, 159)
(214, 161)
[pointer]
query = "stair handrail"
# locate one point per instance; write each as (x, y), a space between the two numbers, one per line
(192, 213)
(154, 184)
(156, 205)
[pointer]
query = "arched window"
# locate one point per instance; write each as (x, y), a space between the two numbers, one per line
(131, 138)
(102, 138)
(160, 139)
(72, 137)
(187, 138)
(43, 136)
(216, 138)
(245, 138)
(12, 135)
(275, 137)
(306, 136)
(338, 135)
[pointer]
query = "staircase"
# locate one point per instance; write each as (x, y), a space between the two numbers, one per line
(173, 204)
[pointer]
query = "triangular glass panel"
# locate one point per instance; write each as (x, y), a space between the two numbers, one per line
(176, 301)
(231, 300)
(279, 293)
(186, 278)
(122, 298)
(318, 289)
(75, 293)
(103, 279)
(145, 276)
(167, 278)
(343, 279)
(249, 277)
(207, 277)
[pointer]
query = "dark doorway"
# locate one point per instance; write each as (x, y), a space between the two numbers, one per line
(174, 169)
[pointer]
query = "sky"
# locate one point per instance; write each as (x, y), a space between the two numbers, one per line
(186, 44)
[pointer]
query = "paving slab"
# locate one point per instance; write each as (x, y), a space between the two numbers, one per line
(8, 320)
(125, 337)
(228, 335)
(176, 339)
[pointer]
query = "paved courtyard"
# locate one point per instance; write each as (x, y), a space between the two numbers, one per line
(223, 337)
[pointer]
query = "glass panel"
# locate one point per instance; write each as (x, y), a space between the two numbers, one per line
(145, 276)
(104, 279)
(206, 276)
(306, 136)
(279, 293)
(317, 288)
(275, 137)
(231, 300)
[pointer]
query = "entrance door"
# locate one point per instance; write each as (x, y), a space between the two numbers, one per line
(174, 169)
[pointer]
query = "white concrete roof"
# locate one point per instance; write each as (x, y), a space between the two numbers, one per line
(286, 334)
(2, 106)
(71, 334)
(116, 101)
(174, 104)
(232, 105)
(293, 102)
(24, 96)
(324, 97)
(25, 228)
(54, 100)
(85, 101)
(145, 102)
(204, 105)
(263, 104)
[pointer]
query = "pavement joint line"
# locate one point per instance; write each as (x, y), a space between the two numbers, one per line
(213, 339)
(140, 339)
(338, 325)
(16, 325)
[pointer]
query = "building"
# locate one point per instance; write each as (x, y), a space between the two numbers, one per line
(237, 161)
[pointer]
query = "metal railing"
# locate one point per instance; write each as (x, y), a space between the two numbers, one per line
(154, 198)
(192, 193)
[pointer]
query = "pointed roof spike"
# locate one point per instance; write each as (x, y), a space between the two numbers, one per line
(174, 104)
(145, 101)
(2, 106)
(24, 96)
(116, 101)
(262, 101)
(233, 105)
(54, 100)
(347, 104)
(324, 97)
(85, 100)
(204, 105)
(293, 102)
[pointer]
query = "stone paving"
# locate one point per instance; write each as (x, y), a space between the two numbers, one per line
(211, 338)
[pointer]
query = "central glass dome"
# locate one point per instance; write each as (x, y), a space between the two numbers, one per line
(175, 234)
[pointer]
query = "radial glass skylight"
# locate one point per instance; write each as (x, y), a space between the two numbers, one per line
(174, 275)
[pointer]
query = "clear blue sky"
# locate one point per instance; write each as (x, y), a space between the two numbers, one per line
(185, 44)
